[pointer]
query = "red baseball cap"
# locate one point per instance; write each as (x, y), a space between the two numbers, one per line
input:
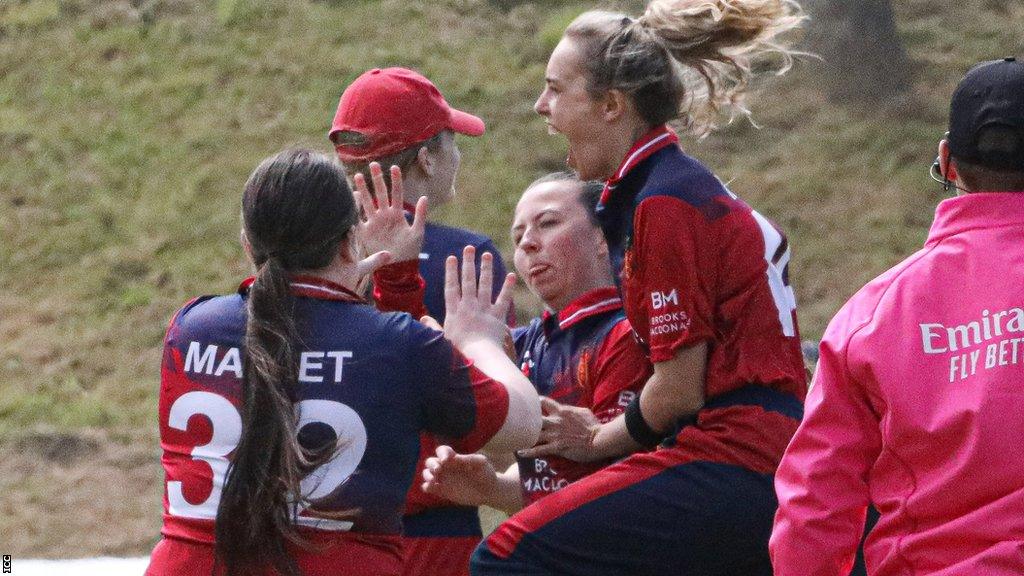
(393, 109)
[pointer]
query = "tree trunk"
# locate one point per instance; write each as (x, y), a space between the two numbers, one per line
(864, 59)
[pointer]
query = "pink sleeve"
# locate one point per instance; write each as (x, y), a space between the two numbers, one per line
(822, 480)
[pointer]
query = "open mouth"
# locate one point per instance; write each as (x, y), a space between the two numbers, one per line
(538, 269)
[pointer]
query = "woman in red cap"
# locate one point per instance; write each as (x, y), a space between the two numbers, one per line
(705, 286)
(397, 117)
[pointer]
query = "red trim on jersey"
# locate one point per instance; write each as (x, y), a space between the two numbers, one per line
(756, 446)
(598, 301)
(642, 149)
(313, 287)
(589, 304)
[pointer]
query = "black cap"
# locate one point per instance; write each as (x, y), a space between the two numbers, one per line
(986, 116)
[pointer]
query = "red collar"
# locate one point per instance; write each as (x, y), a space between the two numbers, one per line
(589, 304)
(313, 287)
(642, 149)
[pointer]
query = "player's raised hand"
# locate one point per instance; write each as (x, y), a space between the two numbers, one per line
(470, 314)
(567, 431)
(384, 226)
(466, 479)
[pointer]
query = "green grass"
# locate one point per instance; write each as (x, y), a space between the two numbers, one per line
(129, 126)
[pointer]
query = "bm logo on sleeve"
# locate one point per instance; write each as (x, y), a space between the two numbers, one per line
(665, 321)
(660, 300)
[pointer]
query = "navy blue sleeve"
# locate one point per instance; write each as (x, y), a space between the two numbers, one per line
(442, 378)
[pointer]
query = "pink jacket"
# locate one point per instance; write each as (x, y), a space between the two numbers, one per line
(917, 406)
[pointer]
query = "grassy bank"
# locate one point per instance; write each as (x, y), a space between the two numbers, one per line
(129, 127)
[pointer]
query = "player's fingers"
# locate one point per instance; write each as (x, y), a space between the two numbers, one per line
(472, 460)
(432, 486)
(444, 452)
(451, 284)
(485, 285)
(380, 189)
(428, 469)
(396, 187)
(549, 420)
(468, 271)
(363, 195)
(548, 436)
(504, 299)
(538, 450)
(371, 263)
(548, 406)
(429, 481)
(419, 218)
(429, 322)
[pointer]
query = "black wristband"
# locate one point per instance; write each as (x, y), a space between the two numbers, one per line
(637, 427)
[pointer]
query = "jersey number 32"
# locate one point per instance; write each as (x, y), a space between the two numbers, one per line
(226, 425)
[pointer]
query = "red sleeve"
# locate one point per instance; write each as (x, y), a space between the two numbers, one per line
(671, 267)
(491, 409)
(399, 287)
(620, 371)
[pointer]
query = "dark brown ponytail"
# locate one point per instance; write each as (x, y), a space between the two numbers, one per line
(296, 210)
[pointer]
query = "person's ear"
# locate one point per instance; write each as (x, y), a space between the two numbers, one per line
(425, 162)
(615, 105)
(602, 247)
(947, 169)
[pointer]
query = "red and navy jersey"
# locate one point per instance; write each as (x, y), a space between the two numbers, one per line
(373, 379)
(398, 287)
(585, 355)
(699, 265)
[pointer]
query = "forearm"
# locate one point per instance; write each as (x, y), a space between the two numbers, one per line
(671, 395)
(674, 391)
(612, 440)
(523, 420)
(507, 495)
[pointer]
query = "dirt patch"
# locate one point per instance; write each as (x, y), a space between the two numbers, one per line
(60, 448)
(71, 495)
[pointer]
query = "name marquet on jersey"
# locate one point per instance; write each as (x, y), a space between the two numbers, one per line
(314, 365)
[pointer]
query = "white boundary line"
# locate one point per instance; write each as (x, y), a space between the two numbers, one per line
(79, 567)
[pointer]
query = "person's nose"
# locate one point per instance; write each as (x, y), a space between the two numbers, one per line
(530, 242)
(541, 105)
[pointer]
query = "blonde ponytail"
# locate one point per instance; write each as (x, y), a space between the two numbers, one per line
(687, 60)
